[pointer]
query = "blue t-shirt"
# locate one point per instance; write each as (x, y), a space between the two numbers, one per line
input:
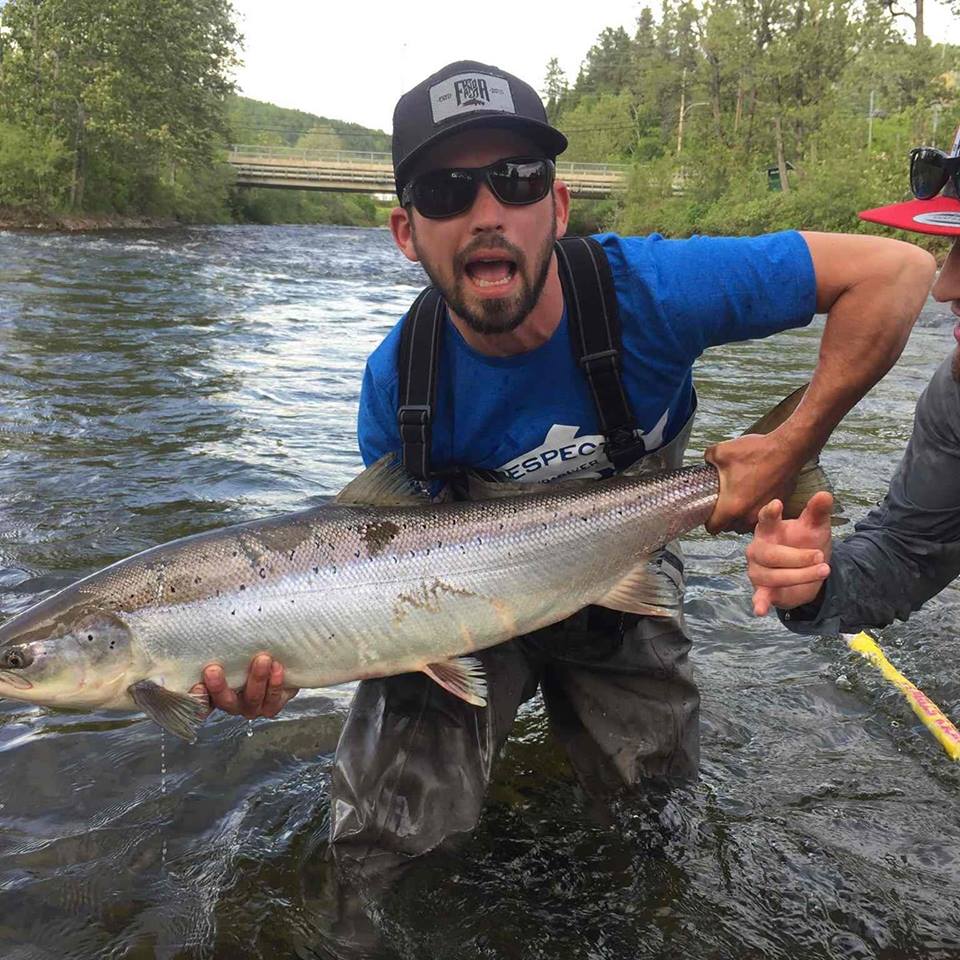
(530, 416)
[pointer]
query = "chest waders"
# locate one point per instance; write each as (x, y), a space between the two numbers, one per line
(413, 761)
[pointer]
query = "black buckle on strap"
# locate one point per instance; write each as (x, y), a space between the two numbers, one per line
(623, 448)
(412, 418)
(590, 361)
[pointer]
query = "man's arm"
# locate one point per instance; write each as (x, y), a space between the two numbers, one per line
(872, 290)
(904, 551)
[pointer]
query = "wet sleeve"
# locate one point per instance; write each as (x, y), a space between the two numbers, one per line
(907, 549)
(377, 431)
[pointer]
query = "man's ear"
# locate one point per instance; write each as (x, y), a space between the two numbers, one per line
(561, 194)
(402, 229)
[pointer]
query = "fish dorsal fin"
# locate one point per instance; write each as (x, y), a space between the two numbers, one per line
(779, 414)
(385, 483)
(180, 713)
(647, 589)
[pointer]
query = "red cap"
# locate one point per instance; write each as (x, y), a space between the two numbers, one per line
(941, 215)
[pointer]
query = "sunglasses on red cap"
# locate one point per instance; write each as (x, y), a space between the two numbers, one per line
(438, 194)
(931, 170)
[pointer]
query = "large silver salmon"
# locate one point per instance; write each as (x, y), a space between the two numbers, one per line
(378, 582)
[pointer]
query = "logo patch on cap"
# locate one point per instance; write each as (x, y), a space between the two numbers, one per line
(945, 218)
(467, 92)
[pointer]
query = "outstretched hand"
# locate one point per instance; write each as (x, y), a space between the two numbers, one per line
(788, 560)
(263, 695)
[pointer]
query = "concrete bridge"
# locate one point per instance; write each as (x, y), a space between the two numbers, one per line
(349, 171)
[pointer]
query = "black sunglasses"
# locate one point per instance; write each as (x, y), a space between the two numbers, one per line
(446, 193)
(931, 170)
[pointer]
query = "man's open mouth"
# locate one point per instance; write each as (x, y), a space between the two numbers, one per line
(491, 271)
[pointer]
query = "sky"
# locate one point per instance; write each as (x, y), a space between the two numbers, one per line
(352, 60)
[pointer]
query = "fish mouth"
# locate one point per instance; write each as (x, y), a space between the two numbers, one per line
(11, 679)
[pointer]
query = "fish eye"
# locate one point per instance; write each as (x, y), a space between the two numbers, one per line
(16, 658)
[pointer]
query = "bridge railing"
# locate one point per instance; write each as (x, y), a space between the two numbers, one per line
(243, 153)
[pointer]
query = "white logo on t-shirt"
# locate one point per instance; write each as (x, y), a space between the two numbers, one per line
(563, 454)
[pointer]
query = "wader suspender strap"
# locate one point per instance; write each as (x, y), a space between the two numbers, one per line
(419, 364)
(594, 322)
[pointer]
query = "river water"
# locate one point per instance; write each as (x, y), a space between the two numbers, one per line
(159, 384)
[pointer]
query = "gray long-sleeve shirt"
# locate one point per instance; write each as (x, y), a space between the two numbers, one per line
(908, 548)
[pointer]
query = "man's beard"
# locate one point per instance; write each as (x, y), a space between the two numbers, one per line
(502, 314)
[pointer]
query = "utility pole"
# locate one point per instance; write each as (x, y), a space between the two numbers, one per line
(870, 123)
(683, 97)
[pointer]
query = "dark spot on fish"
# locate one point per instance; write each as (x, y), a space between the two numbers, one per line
(584, 519)
(378, 535)
(218, 593)
(292, 552)
(196, 579)
(316, 569)
(90, 636)
(234, 553)
(233, 613)
(479, 542)
(501, 526)
(113, 643)
(259, 609)
(173, 590)
(356, 553)
(263, 574)
(243, 586)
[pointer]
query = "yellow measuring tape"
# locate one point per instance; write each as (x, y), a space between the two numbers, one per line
(932, 716)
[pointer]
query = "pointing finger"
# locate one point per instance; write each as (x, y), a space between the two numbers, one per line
(767, 520)
(818, 510)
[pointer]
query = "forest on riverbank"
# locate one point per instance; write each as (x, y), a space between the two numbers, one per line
(732, 117)
(739, 116)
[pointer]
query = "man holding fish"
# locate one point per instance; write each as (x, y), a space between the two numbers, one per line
(908, 548)
(497, 373)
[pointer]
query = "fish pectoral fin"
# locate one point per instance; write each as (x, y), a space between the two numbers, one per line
(462, 676)
(649, 589)
(180, 713)
(386, 483)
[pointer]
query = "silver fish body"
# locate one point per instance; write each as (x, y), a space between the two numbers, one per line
(343, 592)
